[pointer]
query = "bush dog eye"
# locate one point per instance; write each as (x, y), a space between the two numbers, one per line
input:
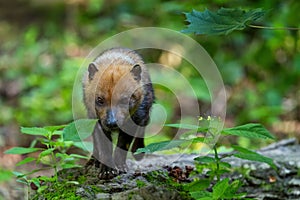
(99, 101)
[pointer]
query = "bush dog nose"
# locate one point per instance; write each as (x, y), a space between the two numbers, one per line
(111, 121)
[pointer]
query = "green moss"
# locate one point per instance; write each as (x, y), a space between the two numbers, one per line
(130, 195)
(96, 189)
(140, 183)
(58, 191)
(158, 177)
(267, 187)
(161, 177)
(81, 179)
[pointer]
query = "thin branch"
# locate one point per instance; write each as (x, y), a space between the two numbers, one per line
(273, 28)
(37, 170)
(217, 162)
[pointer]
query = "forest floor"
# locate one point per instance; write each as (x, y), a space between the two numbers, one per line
(153, 177)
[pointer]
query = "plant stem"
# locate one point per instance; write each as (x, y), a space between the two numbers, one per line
(28, 190)
(217, 162)
(54, 159)
(273, 28)
(55, 173)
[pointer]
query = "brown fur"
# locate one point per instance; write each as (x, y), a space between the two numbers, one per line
(119, 80)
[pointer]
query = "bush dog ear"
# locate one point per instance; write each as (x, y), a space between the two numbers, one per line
(92, 70)
(136, 71)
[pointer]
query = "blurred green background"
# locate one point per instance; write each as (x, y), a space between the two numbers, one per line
(43, 44)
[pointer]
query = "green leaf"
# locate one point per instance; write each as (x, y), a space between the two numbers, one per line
(225, 164)
(85, 145)
(79, 156)
(224, 21)
(253, 156)
(54, 128)
(42, 189)
(61, 155)
(231, 192)
(21, 150)
(235, 185)
(33, 143)
(188, 126)
(46, 152)
(26, 160)
(220, 188)
(205, 159)
(46, 178)
(249, 131)
(60, 144)
(197, 185)
(79, 130)
(183, 126)
(201, 195)
(5, 175)
(35, 131)
(36, 182)
(198, 139)
(24, 181)
(160, 146)
(19, 174)
(69, 165)
(73, 182)
(57, 132)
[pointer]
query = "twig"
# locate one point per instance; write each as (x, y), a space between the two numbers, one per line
(273, 28)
